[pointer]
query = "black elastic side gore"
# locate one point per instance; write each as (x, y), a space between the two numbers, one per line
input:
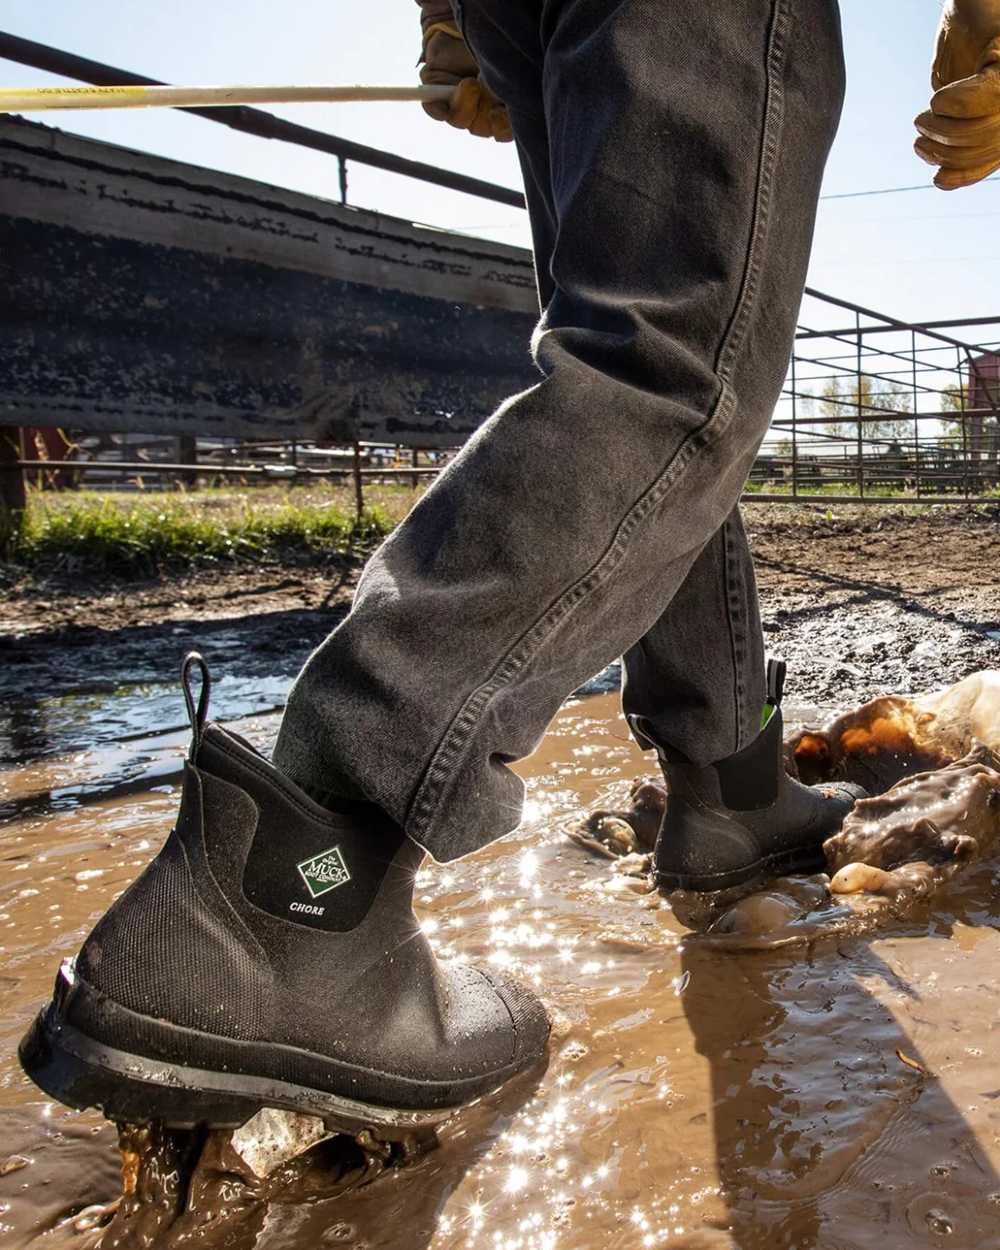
(305, 865)
(348, 800)
(642, 733)
(645, 735)
(339, 795)
(358, 809)
(748, 780)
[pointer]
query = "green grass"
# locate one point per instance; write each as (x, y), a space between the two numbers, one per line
(142, 535)
(145, 533)
(829, 490)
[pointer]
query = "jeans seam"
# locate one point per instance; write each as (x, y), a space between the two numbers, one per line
(774, 115)
(426, 799)
(729, 595)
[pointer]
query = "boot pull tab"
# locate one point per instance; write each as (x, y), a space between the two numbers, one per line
(194, 660)
(776, 670)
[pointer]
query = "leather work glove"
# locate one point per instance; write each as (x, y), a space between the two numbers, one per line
(447, 61)
(961, 130)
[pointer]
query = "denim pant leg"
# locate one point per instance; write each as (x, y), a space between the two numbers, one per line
(685, 147)
(698, 676)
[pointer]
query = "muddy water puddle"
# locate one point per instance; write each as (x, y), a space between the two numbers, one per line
(843, 1093)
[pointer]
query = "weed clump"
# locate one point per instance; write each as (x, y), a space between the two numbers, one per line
(137, 536)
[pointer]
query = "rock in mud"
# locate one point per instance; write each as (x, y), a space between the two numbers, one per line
(272, 1137)
(630, 831)
(786, 900)
(906, 883)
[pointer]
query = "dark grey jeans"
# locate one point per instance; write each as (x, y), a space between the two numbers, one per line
(672, 155)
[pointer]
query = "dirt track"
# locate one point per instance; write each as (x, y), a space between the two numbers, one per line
(861, 602)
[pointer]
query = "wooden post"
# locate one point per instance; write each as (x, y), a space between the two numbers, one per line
(415, 461)
(359, 494)
(187, 453)
(12, 492)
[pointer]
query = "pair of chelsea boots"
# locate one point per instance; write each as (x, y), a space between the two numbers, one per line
(269, 956)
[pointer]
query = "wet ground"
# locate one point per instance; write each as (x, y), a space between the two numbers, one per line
(840, 1094)
(861, 602)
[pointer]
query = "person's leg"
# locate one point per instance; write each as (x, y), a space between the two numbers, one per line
(268, 956)
(687, 143)
(697, 678)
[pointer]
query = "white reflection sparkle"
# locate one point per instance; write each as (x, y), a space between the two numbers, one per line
(517, 1179)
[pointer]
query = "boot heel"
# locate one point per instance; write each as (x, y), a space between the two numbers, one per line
(63, 1073)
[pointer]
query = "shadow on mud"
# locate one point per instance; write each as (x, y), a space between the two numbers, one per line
(804, 1120)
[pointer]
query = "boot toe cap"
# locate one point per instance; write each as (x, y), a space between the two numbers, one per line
(528, 1017)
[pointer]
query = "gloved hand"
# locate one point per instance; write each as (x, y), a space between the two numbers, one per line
(472, 106)
(961, 130)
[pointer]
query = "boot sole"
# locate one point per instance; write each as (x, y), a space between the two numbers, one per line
(802, 859)
(82, 1072)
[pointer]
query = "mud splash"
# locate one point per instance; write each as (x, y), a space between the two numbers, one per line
(217, 1188)
(940, 820)
(890, 738)
(919, 830)
(835, 1095)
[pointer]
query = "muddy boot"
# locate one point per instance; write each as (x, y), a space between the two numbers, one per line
(269, 956)
(743, 819)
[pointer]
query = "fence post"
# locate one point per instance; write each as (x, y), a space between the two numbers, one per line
(916, 418)
(12, 492)
(860, 406)
(359, 495)
(965, 428)
(187, 453)
(795, 434)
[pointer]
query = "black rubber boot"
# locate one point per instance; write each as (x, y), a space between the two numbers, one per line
(742, 819)
(269, 956)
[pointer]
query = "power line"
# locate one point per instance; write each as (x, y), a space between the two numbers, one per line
(922, 186)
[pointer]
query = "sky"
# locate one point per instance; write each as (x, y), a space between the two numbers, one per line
(921, 255)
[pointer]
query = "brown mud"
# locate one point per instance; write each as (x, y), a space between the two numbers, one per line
(839, 1093)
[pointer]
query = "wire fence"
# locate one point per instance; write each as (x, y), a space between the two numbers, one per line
(875, 409)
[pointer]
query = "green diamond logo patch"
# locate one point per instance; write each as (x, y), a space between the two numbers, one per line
(324, 872)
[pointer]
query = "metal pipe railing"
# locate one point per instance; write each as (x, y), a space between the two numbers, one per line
(257, 122)
(206, 468)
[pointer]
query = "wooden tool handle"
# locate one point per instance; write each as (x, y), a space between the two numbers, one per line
(32, 99)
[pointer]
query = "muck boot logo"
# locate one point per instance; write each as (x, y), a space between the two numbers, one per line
(324, 871)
